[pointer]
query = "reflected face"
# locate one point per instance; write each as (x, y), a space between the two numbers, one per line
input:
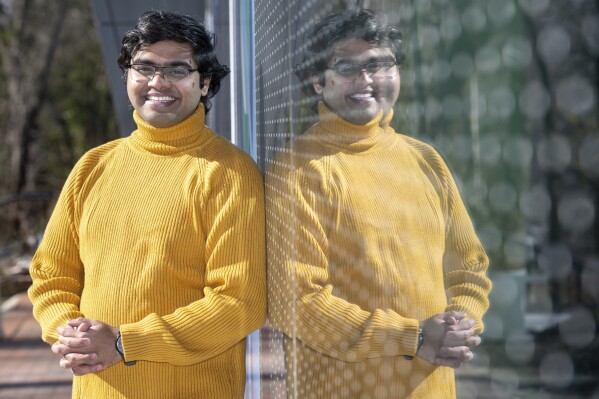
(359, 100)
(162, 103)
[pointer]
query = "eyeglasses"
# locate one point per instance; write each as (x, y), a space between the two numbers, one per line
(374, 69)
(145, 73)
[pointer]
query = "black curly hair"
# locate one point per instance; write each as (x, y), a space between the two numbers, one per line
(155, 26)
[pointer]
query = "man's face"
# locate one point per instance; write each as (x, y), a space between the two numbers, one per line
(359, 100)
(164, 103)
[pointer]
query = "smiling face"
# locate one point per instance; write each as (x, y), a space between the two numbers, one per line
(162, 103)
(360, 100)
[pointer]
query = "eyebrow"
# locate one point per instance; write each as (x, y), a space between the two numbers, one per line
(383, 58)
(170, 64)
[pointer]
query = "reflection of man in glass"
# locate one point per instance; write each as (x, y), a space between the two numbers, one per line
(376, 276)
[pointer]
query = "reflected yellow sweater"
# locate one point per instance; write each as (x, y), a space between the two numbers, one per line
(162, 235)
(366, 236)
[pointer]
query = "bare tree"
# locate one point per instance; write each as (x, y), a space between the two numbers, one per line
(29, 45)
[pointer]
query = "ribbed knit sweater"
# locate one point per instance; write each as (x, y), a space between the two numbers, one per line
(160, 234)
(366, 236)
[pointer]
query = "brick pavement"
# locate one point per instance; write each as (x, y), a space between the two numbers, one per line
(28, 370)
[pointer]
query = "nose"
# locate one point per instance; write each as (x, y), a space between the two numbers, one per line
(159, 79)
(365, 76)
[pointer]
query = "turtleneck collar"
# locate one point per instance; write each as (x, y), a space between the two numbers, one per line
(169, 140)
(386, 121)
(331, 122)
(342, 133)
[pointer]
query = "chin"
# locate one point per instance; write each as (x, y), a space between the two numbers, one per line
(362, 118)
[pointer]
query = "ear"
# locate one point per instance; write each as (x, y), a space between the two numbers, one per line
(205, 86)
(315, 79)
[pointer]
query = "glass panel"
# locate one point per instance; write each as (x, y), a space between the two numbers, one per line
(505, 92)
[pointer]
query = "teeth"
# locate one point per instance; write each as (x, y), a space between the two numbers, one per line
(161, 99)
(361, 96)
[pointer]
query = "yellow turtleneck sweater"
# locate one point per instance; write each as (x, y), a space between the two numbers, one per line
(366, 236)
(160, 234)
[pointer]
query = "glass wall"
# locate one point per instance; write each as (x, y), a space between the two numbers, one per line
(506, 92)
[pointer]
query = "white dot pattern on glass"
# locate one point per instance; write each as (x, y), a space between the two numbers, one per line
(503, 91)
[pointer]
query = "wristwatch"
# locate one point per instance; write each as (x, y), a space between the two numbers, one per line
(420, 342)
(118, 344)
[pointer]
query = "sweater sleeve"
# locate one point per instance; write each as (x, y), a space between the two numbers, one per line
(56, 269)
(465, 262)
(302, 303)
(234, 301)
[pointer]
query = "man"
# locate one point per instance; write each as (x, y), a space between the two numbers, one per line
(151, 272)
(375, 274)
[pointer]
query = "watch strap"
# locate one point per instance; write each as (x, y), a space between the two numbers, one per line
(118, 344)
(420, 342)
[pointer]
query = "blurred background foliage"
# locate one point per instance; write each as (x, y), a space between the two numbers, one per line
(54, 105)
(507, 92)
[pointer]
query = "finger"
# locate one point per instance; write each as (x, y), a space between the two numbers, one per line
(460, 353)
(86, 369)
(455, 315)
(453, 363)
(84, 327)
(61, 349)
(457, 337)
(65, 364)
(454, 318)
(464, 324)
(80, 324)
(76, 322)
(74, 343)
(70, 331)
(67, 331)
(55, 348)
(456, 340)
(76, 359)
(73, 331)
(473, 341)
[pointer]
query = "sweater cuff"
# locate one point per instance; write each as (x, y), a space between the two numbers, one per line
(136, 337)
(410, 339)
(403, 339)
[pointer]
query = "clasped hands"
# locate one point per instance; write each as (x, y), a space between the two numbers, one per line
(86, 346)
(448, 338)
